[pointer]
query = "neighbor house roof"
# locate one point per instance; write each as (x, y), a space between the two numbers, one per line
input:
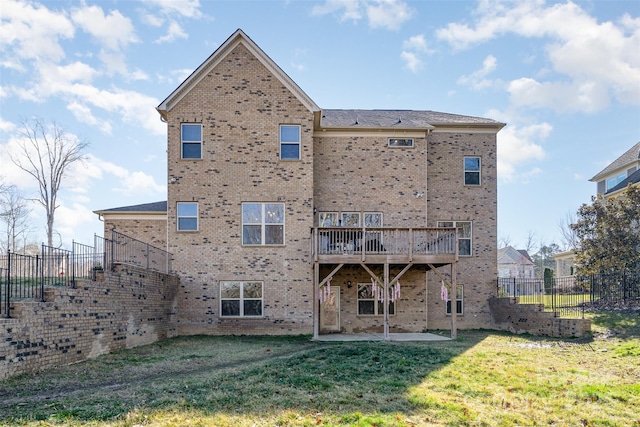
(398, 119)
(148, 208)
(239, 37)
(629, 157)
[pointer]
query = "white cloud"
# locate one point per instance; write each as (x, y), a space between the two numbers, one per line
(130, 183)
(593, 61)
(411, 60)
(185, 8)
(83, 114)
(388, 14)
(113, 31)
(70, 81)
(416, 43)
(348, 10)
(31, 31)
(518, 146)
(174, 32)
(69, 218)
(413, 50)
(477, 80)
(586, 97)
(6, 126)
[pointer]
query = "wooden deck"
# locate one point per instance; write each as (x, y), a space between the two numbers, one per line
(436, 246)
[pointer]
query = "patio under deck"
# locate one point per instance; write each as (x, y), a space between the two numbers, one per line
(339, 246)
(406, 337)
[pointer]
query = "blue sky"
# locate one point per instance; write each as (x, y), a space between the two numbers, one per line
(564, 76)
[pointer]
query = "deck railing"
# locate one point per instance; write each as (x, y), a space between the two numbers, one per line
(384, 241)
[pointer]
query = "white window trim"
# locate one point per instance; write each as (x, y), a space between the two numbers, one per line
(178, 216)
(242, 299)
(479, 171)
(263, 224)
(299, 143)
(459, 297)
(390, 145)
(470, 238)
(376, 303)
(182, 142)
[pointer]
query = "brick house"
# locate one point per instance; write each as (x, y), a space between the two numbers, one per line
(286, 218)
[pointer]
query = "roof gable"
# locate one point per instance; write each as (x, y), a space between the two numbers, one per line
(630, 157)
(239, 37)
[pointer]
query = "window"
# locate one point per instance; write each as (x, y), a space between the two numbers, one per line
(328, 219)
(612, 182)
(262, 224)
(241, 299)
(289, 142)
(472, 171)
(464, 235)
(459, 305)
(400, 142)
(370, 306)
(351, 219)
(373, 219)
(187, 216)
(191, 138)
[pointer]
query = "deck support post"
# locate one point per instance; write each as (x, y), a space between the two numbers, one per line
(454, 302)
(316, 300)
(386, 301)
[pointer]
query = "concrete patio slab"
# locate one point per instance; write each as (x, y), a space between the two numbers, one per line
(380, 337)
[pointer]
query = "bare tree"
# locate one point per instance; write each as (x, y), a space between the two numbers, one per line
(530, 242)
(45, 153)
(14, 214)
(569, 235)
(504, 241)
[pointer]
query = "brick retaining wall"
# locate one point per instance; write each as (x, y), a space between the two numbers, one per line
(518, 318)
(130, 307)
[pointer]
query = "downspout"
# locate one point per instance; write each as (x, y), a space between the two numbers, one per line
(426, 178)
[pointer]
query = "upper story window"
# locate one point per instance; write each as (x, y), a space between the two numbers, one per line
(187, 216)
(191, 140)
(262, 224)
(289, 142)
(401, 142)
(463, 233)
(328, 219)
(612, 182)
(472, 171)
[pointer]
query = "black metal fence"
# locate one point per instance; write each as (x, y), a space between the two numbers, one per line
(24, 277)
(569, 296)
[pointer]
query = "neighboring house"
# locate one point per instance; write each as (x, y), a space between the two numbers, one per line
(285, 218)
(514, 263)
(565, 263)
(623, 171)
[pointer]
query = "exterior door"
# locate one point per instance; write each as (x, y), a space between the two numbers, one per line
(330, 312)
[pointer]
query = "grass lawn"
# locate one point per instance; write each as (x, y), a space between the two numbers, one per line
(483, 378)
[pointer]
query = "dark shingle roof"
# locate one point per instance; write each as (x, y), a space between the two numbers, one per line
(399, 119)
(634, 178)
(632, 155)
(145, 207)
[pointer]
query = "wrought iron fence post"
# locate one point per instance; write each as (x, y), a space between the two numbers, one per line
(73, 263)
(8, 287)
(113, 242)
